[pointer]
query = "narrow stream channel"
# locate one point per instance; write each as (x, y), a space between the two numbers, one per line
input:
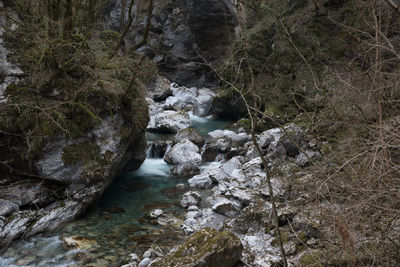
(115, 226)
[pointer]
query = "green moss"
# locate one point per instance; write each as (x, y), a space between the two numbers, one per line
(313, 259)
(303, 236)
(201, 244)
(81, 153)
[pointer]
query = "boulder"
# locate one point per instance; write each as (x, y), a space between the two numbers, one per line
(189, 134)
(205, 248)
(169, 121)
(182, 152)
(223, 145)
(221, 134)
(226, 207)
(187, 169)
(243, 195)
(303, 159)
(186, 158)
(232, 164)
(272, 136)
(210, 153)
(184, 94)
(162, 96)
(190, 198)
(201, 181)
(174, 103)
(203, 102)
(240, 139)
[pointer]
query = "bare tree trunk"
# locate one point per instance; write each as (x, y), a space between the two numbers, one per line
(127, 26)
(253, 119)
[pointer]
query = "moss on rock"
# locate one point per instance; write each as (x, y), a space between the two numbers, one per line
(205, 248)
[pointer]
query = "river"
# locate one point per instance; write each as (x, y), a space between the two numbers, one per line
(116, 224)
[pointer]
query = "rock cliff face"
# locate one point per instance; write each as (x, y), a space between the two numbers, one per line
(63, 189)
(50, 172)
(183, 33)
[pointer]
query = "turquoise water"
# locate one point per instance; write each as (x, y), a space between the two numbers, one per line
(117, 224)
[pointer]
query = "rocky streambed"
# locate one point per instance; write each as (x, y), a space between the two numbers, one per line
(199, 199)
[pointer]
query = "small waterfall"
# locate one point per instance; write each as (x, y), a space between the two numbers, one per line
(158, 149)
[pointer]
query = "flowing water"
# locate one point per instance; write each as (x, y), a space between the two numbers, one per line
(117, 224)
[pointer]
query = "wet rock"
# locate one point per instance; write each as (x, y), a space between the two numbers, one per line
(206, 248)
(115, 210)
(190, 198)
(158, 149)
(79, 242)
(169, 121)
(189, 134)
(155, 214)
(226, 207)
(7, 207)
(203, 102)
(201, 181)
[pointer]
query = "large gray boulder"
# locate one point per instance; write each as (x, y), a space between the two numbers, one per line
(169, 121)
(201, 181)
(205, 248)
(203, 102)
(185, 155)
(190, 134)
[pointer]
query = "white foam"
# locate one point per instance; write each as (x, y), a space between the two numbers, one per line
(199, 119)
(155, 167)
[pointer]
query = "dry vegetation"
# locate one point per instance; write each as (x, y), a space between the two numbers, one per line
(332, 66)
